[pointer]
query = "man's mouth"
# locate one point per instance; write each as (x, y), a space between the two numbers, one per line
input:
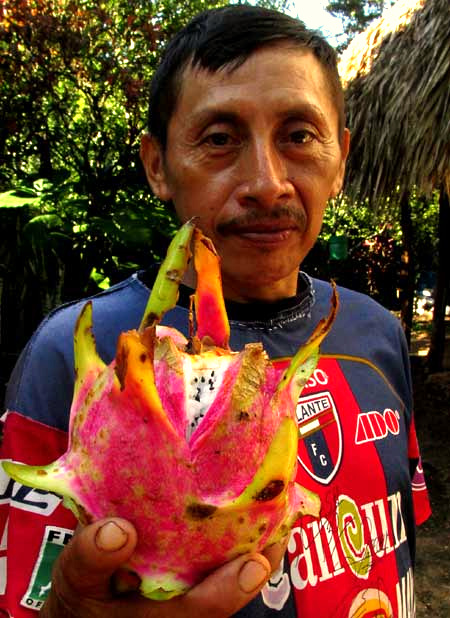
(264, 234)
(260, 228)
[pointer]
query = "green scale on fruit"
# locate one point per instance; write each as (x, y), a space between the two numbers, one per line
(192, 442)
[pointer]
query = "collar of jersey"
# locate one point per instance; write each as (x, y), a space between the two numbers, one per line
(255, 313)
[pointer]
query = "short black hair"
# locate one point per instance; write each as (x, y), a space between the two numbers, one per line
(227, 36)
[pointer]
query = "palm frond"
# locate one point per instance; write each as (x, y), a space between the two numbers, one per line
(396, 76)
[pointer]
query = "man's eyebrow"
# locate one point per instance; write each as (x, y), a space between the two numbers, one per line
(303, 110)
(206, 116)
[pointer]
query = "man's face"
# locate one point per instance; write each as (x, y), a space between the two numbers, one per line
(254, 154)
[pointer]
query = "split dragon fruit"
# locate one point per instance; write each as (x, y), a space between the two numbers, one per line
(192, 442)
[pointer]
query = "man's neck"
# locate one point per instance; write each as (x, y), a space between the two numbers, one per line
(235, 291)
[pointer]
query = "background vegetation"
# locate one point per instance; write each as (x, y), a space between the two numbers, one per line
(76, 213)
(355, 16)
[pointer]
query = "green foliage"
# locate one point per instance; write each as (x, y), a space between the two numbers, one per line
(375, 246)
(373, 250)
(76, 213)
(356, 15)
(425, 219)
(72, 93)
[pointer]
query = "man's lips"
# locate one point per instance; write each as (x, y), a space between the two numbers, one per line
(255, 225)
(263, 233)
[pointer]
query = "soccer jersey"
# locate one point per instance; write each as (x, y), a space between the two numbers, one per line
(357, 450)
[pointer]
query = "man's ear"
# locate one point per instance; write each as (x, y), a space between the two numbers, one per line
(152, 158)
(339, 180)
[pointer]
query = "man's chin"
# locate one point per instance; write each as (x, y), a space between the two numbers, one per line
(260, 283)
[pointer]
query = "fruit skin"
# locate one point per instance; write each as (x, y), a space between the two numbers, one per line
(198, 496)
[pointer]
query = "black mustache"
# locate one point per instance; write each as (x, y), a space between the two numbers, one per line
(294, 215)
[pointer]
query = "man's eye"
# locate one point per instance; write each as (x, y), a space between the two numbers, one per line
(301, 136)
(219, 139)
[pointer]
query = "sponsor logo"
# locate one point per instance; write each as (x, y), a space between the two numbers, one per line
(371, 603)
(25, 498)
(320, 436)
(52, 544)
(348, 540)
(406, 600)
(318, 378)
(375, 425)
(3, 559)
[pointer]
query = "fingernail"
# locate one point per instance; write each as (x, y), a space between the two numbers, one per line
(252, 575)
(111, 537)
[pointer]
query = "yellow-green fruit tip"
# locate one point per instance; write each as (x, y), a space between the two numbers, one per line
(157, 592)
(39, 477)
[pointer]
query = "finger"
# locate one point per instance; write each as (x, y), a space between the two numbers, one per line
(220, 595)
(275, 553)
(86, 565)
(229, 588)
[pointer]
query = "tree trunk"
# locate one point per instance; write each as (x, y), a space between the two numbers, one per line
(435, 358)
(408, 271)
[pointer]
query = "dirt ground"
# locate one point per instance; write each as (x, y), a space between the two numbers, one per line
(432, 410)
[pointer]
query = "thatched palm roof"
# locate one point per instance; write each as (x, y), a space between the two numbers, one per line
(397, 80)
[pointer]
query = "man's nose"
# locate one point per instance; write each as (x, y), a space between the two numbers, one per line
(264, 177)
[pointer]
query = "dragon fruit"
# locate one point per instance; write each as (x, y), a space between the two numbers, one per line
(192, 442)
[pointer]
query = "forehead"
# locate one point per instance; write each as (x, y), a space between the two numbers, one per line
(281, 74)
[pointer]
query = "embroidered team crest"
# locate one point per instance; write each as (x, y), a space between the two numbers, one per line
(320, 436)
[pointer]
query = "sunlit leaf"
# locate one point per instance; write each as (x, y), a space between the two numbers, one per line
(11, 199)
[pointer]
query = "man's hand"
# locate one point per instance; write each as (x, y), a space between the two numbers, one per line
(81, 585)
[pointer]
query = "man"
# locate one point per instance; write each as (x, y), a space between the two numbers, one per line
(247, 134)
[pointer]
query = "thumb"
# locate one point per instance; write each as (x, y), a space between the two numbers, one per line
(230, 587)
(86, 565)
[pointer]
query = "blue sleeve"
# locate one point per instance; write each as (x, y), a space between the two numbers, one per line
(41, 385)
